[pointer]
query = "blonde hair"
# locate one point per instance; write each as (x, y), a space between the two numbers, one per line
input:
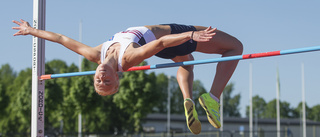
(102, 92)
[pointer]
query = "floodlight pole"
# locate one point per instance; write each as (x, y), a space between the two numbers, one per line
(278, 103)
(250, 98)
(304, 133)
(38, 60)
(80, 65)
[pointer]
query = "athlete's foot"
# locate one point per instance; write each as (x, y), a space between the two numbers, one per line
(193, 122)
(212, 109)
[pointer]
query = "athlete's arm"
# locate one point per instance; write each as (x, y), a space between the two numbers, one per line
(153, 47)
(172, 40)
(92, 54)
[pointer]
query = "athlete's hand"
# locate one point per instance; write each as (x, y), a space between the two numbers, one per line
(204, 35)
(23, 27)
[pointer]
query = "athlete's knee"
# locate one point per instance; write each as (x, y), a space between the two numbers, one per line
(236, 49)
(189, 67)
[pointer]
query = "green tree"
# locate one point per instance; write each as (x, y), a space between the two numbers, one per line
(4, 101)
(54, 95)
(198, 90)
(139, 95)
(285, 110)
(83, 94)
(94, 107)
(271, 111)
(19, 108)
(258, 106)
(230, 104)
(58, 105)
(7, 76)
(86, 65)
(136, 96)
(106, 117)
(297, 112)
(162, 89)
(20, 104)
(56, 66)
(176, 99)
(315, 113)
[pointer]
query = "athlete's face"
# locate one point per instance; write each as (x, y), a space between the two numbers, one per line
(106, 80)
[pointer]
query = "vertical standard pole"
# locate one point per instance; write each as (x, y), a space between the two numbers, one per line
(38, 60)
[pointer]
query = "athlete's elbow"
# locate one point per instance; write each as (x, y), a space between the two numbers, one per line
(91, 57)
(59, 39)
(162, 43)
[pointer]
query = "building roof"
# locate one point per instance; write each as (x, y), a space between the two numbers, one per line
(181, 118)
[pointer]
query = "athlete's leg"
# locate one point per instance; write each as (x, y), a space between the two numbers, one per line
(185, 80)
(226, 45)
(185, 76)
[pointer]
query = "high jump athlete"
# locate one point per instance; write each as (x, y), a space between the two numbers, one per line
(170, 41)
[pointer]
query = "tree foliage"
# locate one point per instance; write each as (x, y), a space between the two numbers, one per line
(231, 104)
(271, 111)
(162, 88)
(258, 107)
(140, 94)
(297, 112)
(315, 113)
(176, 98)
(7, 75)
(65, 98)
(137, 96)
(268, 110)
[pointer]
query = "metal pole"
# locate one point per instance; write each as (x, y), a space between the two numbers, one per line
(80, 116)
(38, 64)
(80, 40)
(221, 112)
(303, 103)
(195, 62)
(168, 108)
(250, 97)
(278, 104)
(256, 123)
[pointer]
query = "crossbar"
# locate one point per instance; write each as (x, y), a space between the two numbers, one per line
(194, 62)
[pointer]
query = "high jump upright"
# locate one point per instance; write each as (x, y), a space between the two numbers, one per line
(38, 63)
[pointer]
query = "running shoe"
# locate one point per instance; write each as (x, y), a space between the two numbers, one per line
(212, 109)
(193, 122)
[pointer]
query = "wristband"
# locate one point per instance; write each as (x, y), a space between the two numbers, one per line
(192, 35)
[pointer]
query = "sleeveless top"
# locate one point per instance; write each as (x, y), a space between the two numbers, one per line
(139, 35)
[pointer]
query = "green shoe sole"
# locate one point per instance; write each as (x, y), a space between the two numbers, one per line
(193, 123)
(209, 115)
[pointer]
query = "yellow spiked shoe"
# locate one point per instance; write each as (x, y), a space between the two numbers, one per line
(212, 109)
(193, 122)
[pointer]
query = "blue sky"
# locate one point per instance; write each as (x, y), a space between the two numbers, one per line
(261, 26)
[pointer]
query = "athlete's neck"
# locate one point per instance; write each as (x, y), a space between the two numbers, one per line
(112, 56)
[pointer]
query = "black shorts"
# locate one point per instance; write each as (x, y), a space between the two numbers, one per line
(180, 50)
